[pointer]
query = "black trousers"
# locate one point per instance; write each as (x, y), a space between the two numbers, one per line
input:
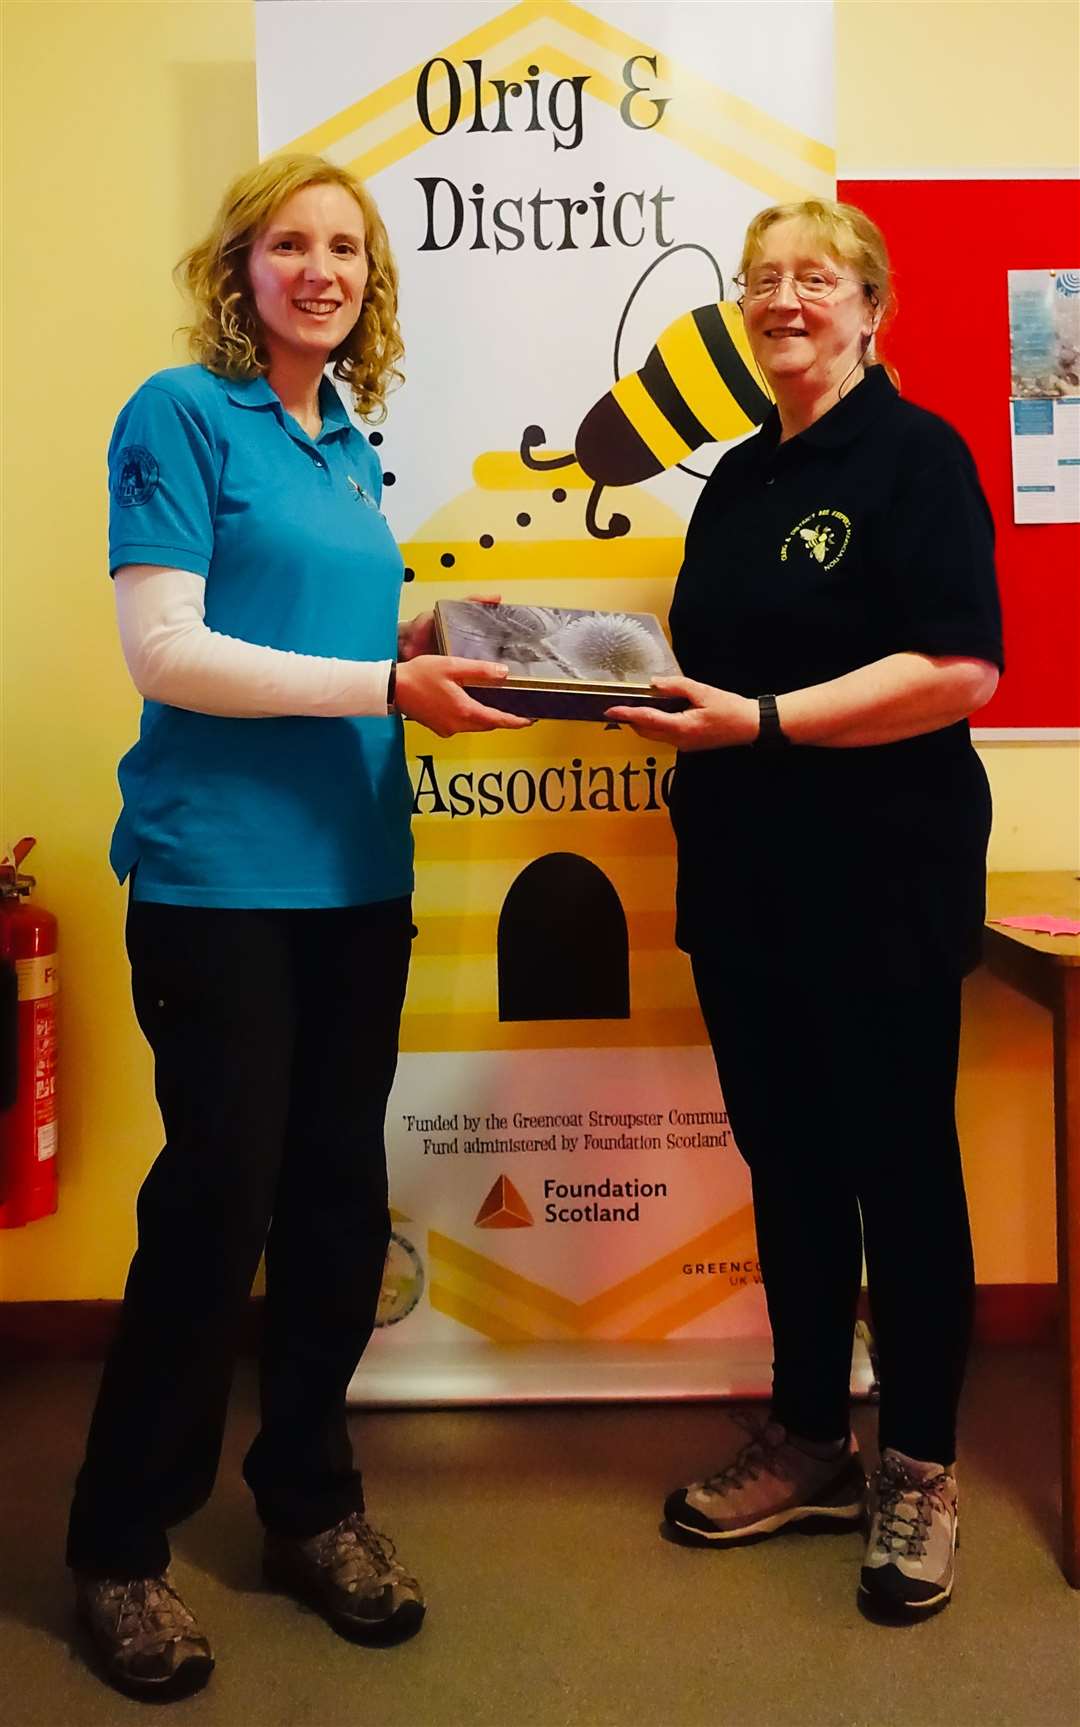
(838, 1061)
(275, 1043)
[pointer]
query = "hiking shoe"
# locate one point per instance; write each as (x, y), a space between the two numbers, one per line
(148, 1641)
(910, 1556)
(770, 1482)
(351, 1575)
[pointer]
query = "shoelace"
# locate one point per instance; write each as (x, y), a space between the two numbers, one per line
(356, 1552)
(906, 1531)
(150, 1611)
(756, 1456)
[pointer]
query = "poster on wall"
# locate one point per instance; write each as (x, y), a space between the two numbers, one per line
(1044, 410)
(566, 188)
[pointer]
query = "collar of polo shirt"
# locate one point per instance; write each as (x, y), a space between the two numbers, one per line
(256, 393)
(848, 419)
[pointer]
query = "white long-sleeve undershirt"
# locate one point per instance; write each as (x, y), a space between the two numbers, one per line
(175, 658)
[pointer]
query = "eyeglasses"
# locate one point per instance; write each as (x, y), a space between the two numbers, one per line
(809, 284)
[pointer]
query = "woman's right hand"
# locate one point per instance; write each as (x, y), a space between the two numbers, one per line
(429, 689)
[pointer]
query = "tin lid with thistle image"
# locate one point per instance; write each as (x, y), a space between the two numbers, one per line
(564, 664)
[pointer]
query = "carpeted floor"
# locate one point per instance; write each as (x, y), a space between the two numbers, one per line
(552, 1600)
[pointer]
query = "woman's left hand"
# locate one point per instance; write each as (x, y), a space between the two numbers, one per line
(714, 719)
(416, 636)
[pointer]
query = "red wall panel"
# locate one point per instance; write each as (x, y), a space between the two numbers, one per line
(952, 244)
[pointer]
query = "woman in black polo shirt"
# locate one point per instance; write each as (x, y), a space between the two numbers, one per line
(837, 618)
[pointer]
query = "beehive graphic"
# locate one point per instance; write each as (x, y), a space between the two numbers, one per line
(495, 893)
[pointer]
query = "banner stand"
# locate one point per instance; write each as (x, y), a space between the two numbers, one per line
(566, 188)
(402, 1375)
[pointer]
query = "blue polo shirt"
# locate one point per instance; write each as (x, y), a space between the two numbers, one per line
(214, 476)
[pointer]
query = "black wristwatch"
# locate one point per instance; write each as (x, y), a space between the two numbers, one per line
(391, 687)
(770, 732)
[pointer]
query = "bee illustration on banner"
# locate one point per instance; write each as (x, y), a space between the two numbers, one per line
(698, 385)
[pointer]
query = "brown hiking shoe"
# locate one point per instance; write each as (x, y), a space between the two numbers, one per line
(766, 1484)
(351, 1575)
(149, 1642)
(911, 1556)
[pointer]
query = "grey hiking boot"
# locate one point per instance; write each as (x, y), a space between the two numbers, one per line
(768, 1483)
(910, 1556)
(149, 1643)
(352, 1576)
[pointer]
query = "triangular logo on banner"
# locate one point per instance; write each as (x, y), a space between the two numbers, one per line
(504, 1208)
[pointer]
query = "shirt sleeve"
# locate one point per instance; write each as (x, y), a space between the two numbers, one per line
(945, 594)
(174, 658)
(163, 484)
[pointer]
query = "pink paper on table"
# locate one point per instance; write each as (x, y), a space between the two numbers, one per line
(1042, 925)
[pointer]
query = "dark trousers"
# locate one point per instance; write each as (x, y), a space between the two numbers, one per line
(275, 1043)
(839, 1076)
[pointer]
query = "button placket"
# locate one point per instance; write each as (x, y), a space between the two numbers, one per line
(319, 462)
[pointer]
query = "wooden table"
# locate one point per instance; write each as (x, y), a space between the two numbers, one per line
(1047, 968)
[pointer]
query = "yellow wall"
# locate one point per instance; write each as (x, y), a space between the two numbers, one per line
(986, 86)
(122, 121)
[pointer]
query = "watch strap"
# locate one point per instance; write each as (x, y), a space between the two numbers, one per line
(770, 732)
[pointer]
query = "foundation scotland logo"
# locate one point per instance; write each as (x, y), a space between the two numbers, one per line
(504, 1208)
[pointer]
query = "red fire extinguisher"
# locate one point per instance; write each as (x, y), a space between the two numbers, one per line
(29, 984)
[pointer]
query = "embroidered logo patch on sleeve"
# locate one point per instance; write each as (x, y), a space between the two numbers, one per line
(134, 477)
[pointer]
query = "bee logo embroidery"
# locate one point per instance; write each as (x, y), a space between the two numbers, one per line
(823, 535)
(819, 540)
(698, 386)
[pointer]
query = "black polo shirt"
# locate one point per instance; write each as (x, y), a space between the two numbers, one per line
(866, 535)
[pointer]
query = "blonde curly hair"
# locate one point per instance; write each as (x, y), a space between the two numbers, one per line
(226, 337)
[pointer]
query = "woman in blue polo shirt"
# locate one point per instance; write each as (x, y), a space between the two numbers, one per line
(837, 618)
(265, 834)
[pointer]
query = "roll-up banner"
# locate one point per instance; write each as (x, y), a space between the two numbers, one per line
(566, 188)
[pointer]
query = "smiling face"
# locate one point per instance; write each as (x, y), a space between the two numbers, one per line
(805, 345)
(308, 269)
